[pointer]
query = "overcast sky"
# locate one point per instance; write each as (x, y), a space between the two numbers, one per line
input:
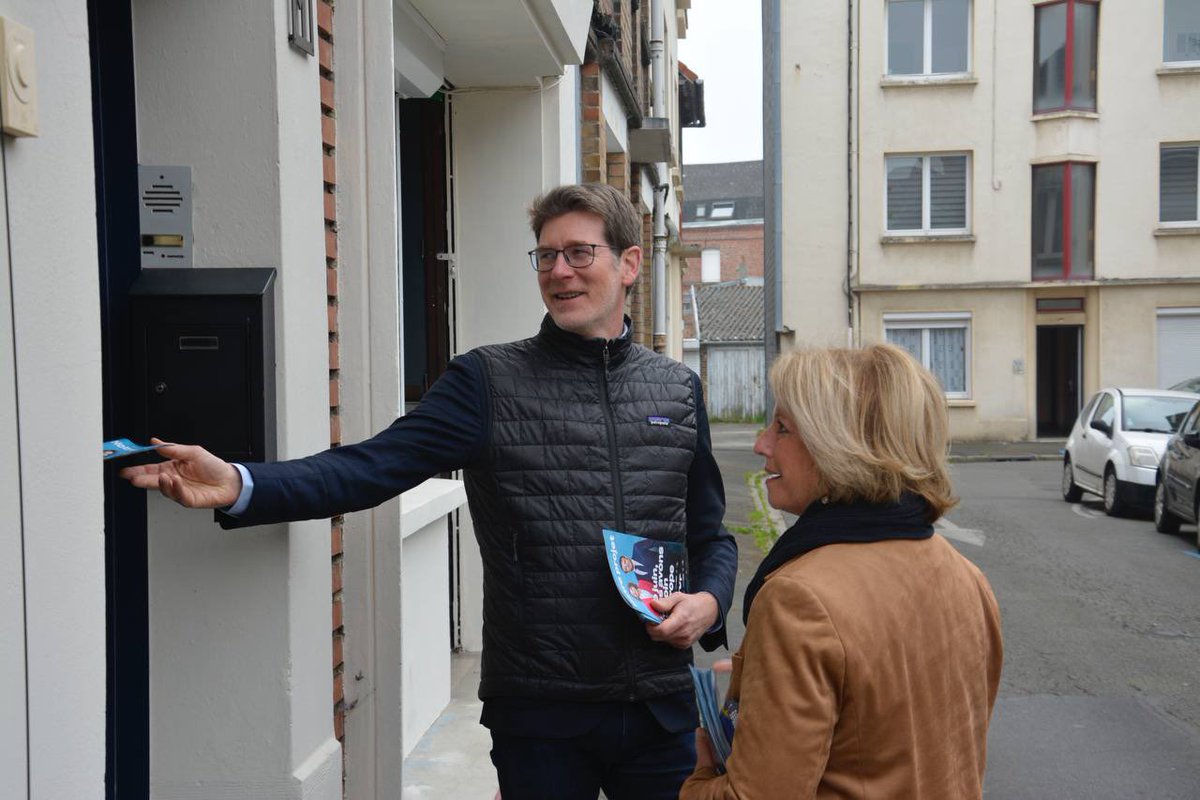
(724, 47)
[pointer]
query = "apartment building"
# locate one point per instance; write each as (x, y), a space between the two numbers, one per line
(1008, 190)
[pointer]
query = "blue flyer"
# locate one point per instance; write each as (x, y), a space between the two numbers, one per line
(119, 448)
(644, 569)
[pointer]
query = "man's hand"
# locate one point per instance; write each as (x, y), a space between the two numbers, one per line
(688, 617)
(194, 477)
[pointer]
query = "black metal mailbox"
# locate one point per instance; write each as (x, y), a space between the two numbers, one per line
(204, 359)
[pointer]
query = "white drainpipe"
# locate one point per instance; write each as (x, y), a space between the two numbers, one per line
(658, 75)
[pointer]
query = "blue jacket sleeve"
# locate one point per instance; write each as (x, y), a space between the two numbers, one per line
(445, 432)
(712, 550)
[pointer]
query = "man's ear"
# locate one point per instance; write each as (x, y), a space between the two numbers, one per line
(631, 265)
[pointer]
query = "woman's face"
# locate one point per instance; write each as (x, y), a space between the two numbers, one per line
(792, 481)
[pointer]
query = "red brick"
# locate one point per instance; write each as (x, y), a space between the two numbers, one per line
(337, 576)
(339, 689)
(335, 540)
(331, 282)
(590, 69)
(328, 131)
(335, 432)
(337, 613)
(324, 17)
(333, 355)
(326, 94)
(335, 392)
(339, 722)
(330, 207)
(591, 114)
(329, 168)
(591, 98)
(325, 54)
(338, 656)
(330, 243)
(331, 316)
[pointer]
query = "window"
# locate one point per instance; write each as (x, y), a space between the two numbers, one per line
(1178, 188)
(710, 266)
(941, 342)
(700, 210)
(1105, 411)
(1063, 220)
(927, 194)
(1064, 68)
(1181, 31)
(723, 210)
(928, 37)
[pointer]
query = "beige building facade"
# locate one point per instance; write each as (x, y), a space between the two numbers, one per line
(1008, 190)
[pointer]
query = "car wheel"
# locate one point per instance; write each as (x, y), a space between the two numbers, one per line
(1070, 492)
(1114, 502)
(1164, 520)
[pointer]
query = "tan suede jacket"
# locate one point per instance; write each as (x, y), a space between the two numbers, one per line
(867, 671)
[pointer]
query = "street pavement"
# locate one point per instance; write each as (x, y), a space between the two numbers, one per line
(1098, 696)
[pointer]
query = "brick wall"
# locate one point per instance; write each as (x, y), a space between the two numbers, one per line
(739, 244)
(325, 43)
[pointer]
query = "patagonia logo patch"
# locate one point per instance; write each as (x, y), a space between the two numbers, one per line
(664, 421)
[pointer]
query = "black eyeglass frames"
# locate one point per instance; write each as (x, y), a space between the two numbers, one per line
(577, 256)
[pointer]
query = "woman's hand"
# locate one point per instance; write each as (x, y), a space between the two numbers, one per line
(704, 752)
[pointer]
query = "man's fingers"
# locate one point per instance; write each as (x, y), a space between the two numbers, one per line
(664, 605)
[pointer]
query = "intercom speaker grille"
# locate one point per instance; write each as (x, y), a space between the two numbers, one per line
(165, 215)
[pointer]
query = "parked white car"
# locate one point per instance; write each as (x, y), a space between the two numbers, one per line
(1117, 443)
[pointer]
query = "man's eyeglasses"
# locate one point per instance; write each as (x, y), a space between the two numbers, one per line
(577, 256)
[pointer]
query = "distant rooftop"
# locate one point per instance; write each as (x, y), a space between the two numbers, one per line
(736, 187)
(730, 311)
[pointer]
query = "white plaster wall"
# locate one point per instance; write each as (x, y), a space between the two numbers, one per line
(812, 114)
(14, 744)
(239, 622)
(369, 325)
(55, 326)
(1128, 333)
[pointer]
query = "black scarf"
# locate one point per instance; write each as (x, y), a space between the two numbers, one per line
(843, 523)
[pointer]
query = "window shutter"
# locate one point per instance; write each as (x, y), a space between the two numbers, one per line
(904, 194)
(1177, 191)
(948, 192)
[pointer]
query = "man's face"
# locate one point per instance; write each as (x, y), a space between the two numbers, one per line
(589, 302)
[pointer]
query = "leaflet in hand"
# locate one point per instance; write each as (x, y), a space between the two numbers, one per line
(119, 448)
(717, 720)
(644, 569)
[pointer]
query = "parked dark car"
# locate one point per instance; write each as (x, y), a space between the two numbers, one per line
(1177, 491)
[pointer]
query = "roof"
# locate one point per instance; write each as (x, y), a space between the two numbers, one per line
(730, 312)
(738, 181)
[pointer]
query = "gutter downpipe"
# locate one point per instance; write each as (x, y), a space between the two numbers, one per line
(659, 78)
(773, 190)
(851, 170)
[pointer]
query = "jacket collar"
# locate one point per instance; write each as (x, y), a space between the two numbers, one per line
(590, 351)
(842, 523)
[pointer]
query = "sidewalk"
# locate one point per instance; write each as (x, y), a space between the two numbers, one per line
(1036, 450)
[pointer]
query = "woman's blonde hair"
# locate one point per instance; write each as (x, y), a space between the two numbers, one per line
(874, 421)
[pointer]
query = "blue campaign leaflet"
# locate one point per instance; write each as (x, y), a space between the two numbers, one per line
(718, 721)
(644, 569)
(119, 448)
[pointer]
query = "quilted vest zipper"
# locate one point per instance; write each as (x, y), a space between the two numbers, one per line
(619, 503)
(614, 466)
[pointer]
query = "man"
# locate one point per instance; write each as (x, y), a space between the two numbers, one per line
(560, 436)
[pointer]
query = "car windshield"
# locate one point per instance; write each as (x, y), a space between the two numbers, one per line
(1190, 385)
(1155, 414)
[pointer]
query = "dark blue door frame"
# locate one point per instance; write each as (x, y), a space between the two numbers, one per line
(114, 116)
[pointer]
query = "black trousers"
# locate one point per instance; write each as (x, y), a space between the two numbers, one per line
(627, 753)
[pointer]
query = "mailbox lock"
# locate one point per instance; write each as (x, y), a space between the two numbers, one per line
(160, 387)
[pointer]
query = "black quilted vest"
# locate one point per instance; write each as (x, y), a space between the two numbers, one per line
(584, 435)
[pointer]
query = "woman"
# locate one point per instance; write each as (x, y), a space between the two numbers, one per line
(872, 650)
